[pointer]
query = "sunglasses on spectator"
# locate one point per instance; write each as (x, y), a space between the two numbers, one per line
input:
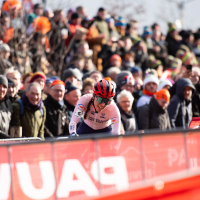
(101, 100)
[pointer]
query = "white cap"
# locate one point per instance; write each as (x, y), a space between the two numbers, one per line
(150, 78)
(162, 84)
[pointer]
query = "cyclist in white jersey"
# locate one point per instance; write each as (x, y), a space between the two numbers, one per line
(101, 115)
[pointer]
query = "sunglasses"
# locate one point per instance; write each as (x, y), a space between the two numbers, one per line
(101, 100)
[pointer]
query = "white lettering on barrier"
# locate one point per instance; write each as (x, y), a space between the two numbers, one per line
(83, 183)
(193, 163)
(5, 181)
(119, 177)
(71, 167)
(181, 158)
(174, 156)
(48, 179)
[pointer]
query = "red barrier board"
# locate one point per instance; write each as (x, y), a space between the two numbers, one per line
(32, 172)
(119, 163)
(73, 163)
(193, 148)
(163, 154)
(5, 175)
(85, 169)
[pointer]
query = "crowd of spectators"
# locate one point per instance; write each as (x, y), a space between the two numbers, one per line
(48, 59)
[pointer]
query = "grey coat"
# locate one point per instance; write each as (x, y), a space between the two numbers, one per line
(5, 117)
(180, 110)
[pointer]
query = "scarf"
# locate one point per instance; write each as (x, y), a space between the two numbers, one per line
(146, 92)
(36, 107)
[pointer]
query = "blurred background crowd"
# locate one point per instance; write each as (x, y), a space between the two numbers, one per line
(48, 59)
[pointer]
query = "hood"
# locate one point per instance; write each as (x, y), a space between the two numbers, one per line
(181, 84)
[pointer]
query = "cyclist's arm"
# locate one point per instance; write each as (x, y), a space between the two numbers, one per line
(78, 113)
(116, 121)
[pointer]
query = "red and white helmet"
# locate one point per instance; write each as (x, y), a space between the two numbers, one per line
(104, 89)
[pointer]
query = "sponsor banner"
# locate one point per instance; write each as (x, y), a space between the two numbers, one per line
(85, 169)
(74, 168)
(163, 154)
(193, 149)
(32, 172)
(119, 163)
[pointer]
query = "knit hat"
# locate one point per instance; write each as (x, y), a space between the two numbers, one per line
(183, 55)
(172, 27)
(121, 76)
(150, 78)
(147, 31)
(163, 94)
(37, 75)
(108, 78)
(163, 84)
(51, 79)
(69, 72)
(57, 82)
(69, 87)
(127, 80)
(78, 73)
(115, 57)
(120, 22)
(155, 63)
(135, 69)
(137, 41)
(150, 72)
(11, 82)
(3, 80)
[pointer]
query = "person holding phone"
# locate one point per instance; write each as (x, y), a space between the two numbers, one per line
(101, 115)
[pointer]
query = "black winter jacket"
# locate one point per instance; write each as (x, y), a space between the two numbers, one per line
(172, 45)
(196, 102)
(57, 122)
(128, 121)
(70, 110)
(153, 116)
(180, 110)
(5, 117)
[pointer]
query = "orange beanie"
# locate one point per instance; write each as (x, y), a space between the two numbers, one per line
(108, 78)
(57, 82)
(163, 94)
(115, 57)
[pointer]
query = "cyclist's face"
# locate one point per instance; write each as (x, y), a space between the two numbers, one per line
(99, 107)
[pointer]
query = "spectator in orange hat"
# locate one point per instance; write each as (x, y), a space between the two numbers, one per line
(155, 115)
(115, 61)
(57, 122)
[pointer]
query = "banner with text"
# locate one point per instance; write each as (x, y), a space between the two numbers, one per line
(84, 169)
